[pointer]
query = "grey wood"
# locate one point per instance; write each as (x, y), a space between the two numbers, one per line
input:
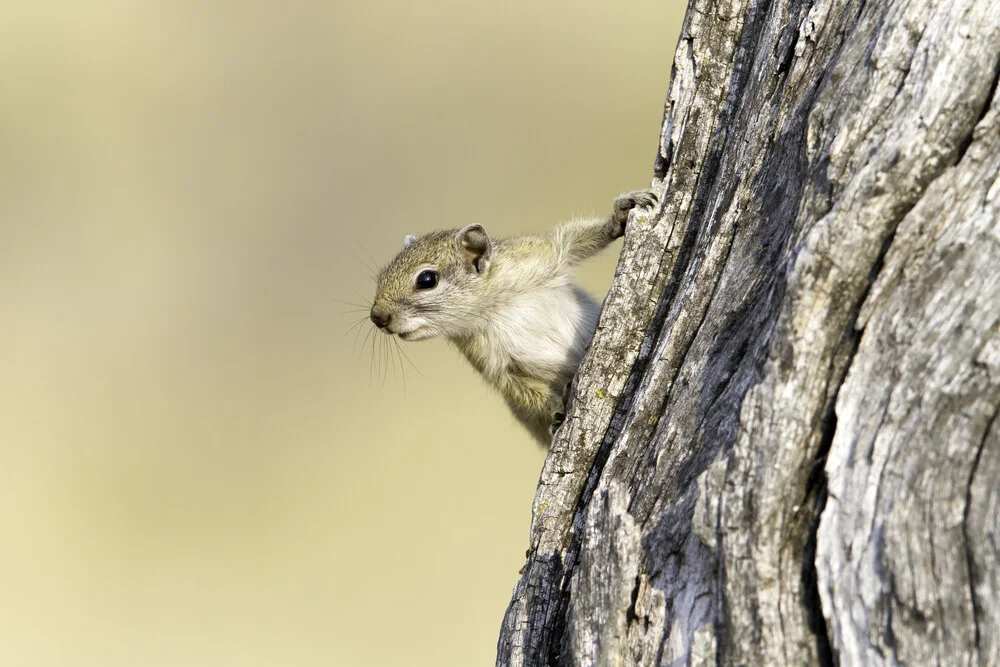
(783, 445)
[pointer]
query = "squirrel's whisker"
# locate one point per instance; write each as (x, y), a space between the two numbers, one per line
(402, 368)
(408, 360)
(509, 305)
(356, 324)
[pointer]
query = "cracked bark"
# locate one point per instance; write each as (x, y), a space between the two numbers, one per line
(783, 445)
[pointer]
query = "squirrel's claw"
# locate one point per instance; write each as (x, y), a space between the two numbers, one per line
(625, 203)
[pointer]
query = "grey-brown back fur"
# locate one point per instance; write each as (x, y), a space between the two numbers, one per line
(509, 306)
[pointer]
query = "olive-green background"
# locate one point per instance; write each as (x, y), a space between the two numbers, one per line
(201, 464)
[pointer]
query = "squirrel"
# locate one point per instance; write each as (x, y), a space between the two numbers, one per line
(509, 305)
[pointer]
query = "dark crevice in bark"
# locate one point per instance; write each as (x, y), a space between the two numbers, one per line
(790, 35)
(665, 151)
(630, 615)
(559, 628)
(861, 9)
(816, 495)
(969, 559)
(964, 146)
(816, 485)
(991, 94)
(885, 602)
(878, 265)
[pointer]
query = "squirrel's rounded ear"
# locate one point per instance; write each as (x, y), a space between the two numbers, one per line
(475, 247)
(409, 240)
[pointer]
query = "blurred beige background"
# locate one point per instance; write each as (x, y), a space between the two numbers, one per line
(199, 464)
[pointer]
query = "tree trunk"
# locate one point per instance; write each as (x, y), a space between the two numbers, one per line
(783, 446)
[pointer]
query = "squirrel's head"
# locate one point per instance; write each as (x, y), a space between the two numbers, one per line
(433, 286)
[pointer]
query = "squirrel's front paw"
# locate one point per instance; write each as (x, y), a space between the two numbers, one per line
(625, 203)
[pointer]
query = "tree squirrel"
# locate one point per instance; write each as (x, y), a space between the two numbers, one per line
(509, 305)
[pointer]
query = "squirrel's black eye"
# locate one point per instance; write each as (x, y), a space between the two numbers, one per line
(427, 280)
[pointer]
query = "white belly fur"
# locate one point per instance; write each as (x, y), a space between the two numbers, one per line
(544, 332)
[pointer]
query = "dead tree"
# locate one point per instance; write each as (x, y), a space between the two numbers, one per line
(783, 446)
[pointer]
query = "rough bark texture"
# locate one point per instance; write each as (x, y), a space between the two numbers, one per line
(784, 445)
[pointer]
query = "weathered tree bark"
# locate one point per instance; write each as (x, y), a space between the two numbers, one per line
(784, 445)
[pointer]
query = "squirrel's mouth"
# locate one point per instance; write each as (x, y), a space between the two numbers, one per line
(413, 334)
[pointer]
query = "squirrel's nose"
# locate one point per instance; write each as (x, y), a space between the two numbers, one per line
(380, 318)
